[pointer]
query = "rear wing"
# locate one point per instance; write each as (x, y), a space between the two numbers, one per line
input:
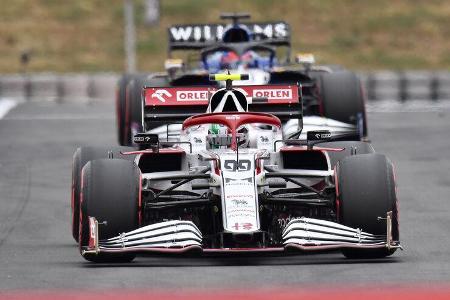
(164, 105)
(199, 36)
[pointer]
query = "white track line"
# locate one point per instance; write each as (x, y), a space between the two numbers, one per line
(6, 105)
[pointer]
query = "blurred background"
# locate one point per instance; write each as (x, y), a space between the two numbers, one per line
(60, 61)
(88, 35)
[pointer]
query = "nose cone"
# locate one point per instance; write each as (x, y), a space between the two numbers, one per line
(228, 101)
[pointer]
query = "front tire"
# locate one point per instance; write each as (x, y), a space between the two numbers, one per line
(366, 191)
(110, 193)
(82, 156)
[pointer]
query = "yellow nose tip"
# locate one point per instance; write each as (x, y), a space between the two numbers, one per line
(225, 77)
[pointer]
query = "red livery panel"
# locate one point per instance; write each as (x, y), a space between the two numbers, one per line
(178, 96)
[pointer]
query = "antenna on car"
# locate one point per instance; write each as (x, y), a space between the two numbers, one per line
(228, 78)
(235, 17)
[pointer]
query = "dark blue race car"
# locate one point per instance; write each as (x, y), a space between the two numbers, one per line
(260, 49)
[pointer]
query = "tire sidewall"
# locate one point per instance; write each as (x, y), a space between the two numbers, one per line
(99, 200)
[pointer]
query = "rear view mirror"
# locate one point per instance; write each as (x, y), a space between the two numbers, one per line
(305, 59)
(146, 140)
(318, 135)
(173, 64)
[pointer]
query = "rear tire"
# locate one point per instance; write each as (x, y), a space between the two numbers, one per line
(121, 105)
(367, 191)
(110, 193)
(343, 99)
(81, 156)
(133, 107)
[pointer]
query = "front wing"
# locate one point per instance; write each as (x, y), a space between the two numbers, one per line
(304, 234)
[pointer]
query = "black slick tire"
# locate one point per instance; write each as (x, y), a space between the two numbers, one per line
(366, 191)
(342, 99)
(121, 106)
(81, 156)
(133, 104)
(110, 193)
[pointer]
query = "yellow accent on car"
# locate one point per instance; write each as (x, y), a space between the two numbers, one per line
(225, 77)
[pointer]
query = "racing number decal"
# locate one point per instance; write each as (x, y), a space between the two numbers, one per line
(245, 226)
(233, 165)
(240, 207)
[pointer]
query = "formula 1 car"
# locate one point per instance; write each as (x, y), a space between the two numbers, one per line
(231, 182)
(262, 50)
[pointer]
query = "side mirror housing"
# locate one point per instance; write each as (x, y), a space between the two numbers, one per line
(147, 140)
(318, 135)
(173, 65)
(305, 59)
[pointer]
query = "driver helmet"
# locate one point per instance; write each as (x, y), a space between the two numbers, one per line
(219, 130)
(229, 60)
(250, 59)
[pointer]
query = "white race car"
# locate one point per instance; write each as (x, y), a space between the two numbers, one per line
(230, 180)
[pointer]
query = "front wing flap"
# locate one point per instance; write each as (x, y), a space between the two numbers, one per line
(304, 234)
(180, 235)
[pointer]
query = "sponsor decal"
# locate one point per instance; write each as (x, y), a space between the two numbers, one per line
(318, 135)
(146, 138)
(193, 95)
(177, 96)
(161, 95)
(239, 195)
(323, 135)
(282, 222)
(214, 32)
(244, 226)
(275, 94)
(264, 139)
(198, 140)
(239, 202)
(233, 117)
(241, 165)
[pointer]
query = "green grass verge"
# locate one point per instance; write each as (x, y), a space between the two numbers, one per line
(87, 35)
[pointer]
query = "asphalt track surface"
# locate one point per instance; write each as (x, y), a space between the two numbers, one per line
(37, 141)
